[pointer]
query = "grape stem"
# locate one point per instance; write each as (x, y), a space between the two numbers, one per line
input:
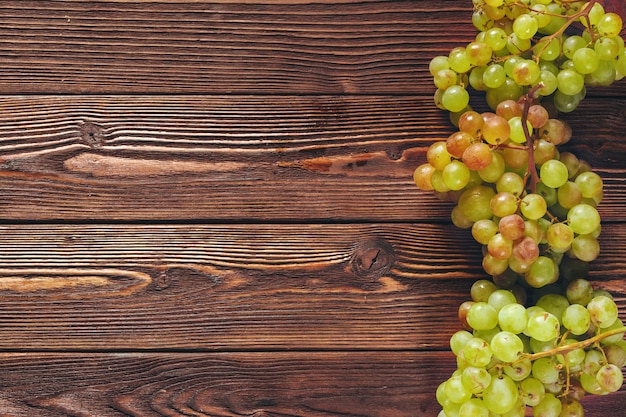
(572, 346)
(584, 12)
(531, 172)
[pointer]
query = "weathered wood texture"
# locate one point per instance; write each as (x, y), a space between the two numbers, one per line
(208, 208)
(248, 158)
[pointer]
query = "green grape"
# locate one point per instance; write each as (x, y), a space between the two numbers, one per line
(456, 391)
(610, 378)
(557, 20)
(475, 379)
(517, 45)
(519, 369)
(438, 155)
(570, 82)
(571, 44)
(445, 78)
(437, 64)
(566, 103)
(501, 395)
(545, 370)
(526, 72)
(482, 231)
(475, 407)
(554, 304)
(571, 408)
(532, 391)
(585, 60)
(496, 38)
(618, 324)
(549, 406)
(540, 13)
(560, 237)
(590, 184)
(576, 319)
(476, 352)
(525, 26)
(543, 327)
(603, 311)
(579, 291)
(610, 25)
(553, 173)
(594, 15)
(606, 48)
(517, 131)
(590, 384)
(583, 219)
(549, 81)
(459, 61)
(478, 53)
(476, 78)
(494, 76)
(506, 346)
(456, 175)
(533, 206)
(510, 182)
(500, 247)
(474, 202)
(482, 289)
(513, 318)
(569, 195)
(585, 247)
(459, 340)
(492, 172)
(482, 316)
(455, 98)
(500, 298)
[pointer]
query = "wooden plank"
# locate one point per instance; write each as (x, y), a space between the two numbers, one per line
(224, 46)
(285, 47)
(244, 287)
(387, 384)
(245, 158)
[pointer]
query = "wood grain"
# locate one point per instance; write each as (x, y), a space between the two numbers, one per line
(246, 158)
(248, 287)
(265, 47)
(323, 384)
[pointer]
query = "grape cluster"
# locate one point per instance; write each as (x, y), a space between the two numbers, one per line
(511, 357)
(537, 334)
(530, 206)
(523, 44)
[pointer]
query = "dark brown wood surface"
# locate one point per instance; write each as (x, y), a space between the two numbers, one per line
(208, 209)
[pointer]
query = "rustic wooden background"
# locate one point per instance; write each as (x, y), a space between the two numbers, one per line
(207, 208)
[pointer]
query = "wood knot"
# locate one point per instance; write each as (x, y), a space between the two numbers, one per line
(162, 281)
(373, 258)
(91, 134)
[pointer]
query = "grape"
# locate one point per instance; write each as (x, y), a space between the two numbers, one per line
(482, 316)
(458, 340)
(532, 391)
(501, 395)
(475, 379)
(549, 406)
(543, 327)
(513, 318)
(506, 346)
(603, 311)
(610, 378)
(477, 352)
(553, 173)
(455, 98)
(531, 205)
(475, 407)
(456, 175)
(583, 219)
(576, 319)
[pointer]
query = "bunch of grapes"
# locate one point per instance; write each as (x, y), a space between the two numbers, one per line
(537, 334)
(522, 44)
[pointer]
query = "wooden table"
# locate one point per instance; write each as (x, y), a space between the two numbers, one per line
(208, 209)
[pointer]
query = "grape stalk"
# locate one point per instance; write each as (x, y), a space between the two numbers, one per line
(536, 334)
